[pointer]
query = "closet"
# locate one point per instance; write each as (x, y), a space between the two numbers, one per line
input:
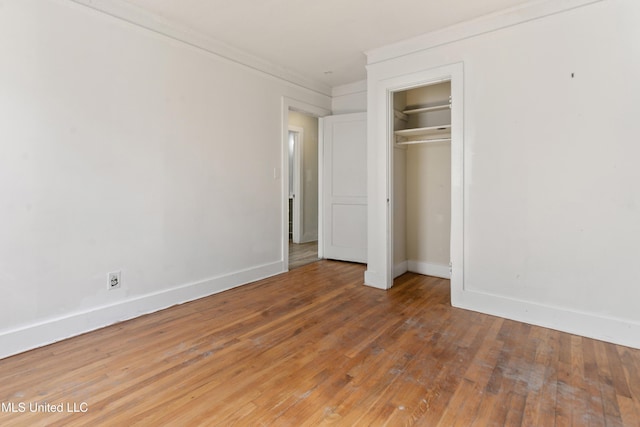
(422, 180)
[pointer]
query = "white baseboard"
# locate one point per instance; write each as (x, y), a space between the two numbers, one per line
(400, 268)
(426, 268)
(51, 330)
(309, 237)
(604, 328)
(429, 269)
(375, 280)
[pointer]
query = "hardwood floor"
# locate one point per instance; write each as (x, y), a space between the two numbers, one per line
(302, 254)
(314, 347)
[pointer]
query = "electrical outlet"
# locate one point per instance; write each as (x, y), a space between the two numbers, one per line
(114, 280)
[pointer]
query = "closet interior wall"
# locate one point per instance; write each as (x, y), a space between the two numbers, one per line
(422, 184)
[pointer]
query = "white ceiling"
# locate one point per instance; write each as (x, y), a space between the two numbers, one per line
(322, 40)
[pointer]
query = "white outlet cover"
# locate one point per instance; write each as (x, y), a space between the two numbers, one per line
(112, 277)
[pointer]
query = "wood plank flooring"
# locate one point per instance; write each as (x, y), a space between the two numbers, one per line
(316, 347)
(302, 254)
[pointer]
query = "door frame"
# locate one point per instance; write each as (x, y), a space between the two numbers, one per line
(291, 104)
(298, 187)
(379, 272)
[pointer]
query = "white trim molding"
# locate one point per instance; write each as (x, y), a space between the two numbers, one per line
(420, 267)
(349, 89)
(429, 269)
(309, 237)
(400, 268)
(137, 16)
(599, 327)
(349, 98)
(485, 24)
(381, 268)
(48, 331)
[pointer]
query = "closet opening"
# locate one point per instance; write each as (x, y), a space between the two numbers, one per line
(420, 150)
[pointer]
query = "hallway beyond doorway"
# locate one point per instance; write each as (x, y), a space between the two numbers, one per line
(302, 254)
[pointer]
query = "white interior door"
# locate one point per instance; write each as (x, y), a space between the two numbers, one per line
(344, 187)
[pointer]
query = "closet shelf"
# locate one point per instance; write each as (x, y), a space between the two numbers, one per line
(427, 109)
(423, 141)
(400, 115)
(431, 130)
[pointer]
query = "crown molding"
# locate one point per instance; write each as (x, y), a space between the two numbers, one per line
(485, 24)
(349, 88)
(144, 19)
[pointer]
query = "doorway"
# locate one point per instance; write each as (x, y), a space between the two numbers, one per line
(296, 187)
(421, 201)
(383, 137)
(303, 186)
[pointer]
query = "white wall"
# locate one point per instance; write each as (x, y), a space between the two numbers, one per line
(551, 208)
(349, 98)
(121, 149)
(309, 173)
(429, 205)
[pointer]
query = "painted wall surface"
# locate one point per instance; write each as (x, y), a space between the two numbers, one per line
(400, 203)
(124, 150)
(309, 174)
(349, 98)
(428, 216)
(551, 209)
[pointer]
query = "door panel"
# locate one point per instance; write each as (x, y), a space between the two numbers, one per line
(345, 187)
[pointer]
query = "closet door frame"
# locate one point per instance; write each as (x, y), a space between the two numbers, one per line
(380, 235)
